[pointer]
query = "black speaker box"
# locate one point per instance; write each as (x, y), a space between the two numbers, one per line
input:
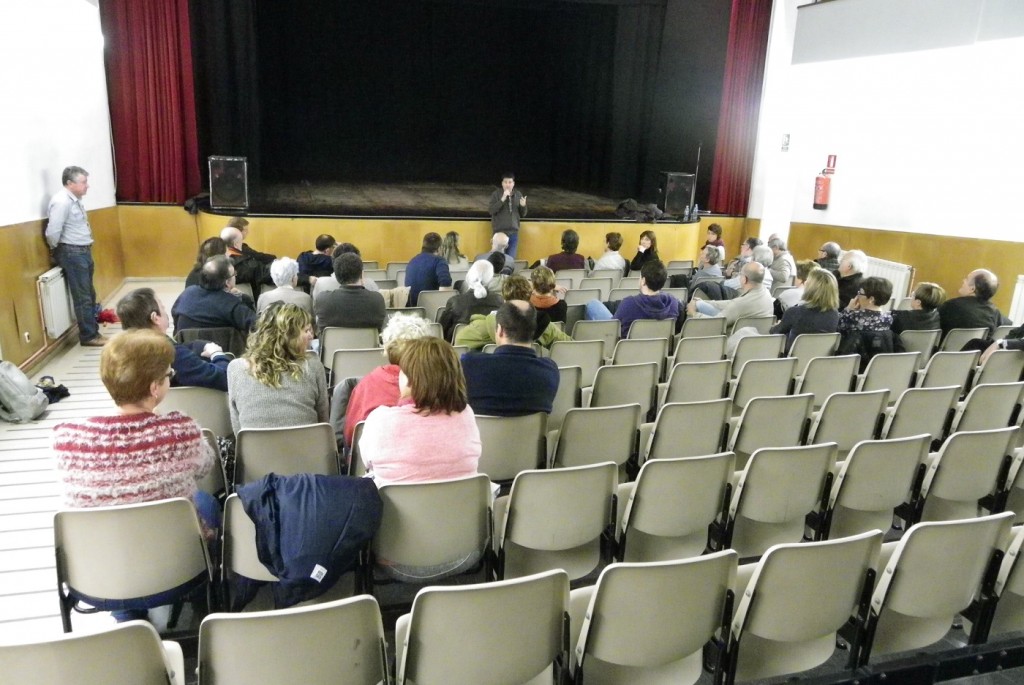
(676, 192)
(229, 182)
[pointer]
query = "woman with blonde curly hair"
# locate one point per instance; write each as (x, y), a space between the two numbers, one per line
(275, 384)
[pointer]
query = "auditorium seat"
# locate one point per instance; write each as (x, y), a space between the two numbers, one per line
(807, 346)
(695, 381)
(848, 418)
(285, 451)
(510, 444)
(206, 406)
(825, 376)
(685, 429)
(948, 368)
(769, 422)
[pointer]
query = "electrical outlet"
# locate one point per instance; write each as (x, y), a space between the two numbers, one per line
(28, 337)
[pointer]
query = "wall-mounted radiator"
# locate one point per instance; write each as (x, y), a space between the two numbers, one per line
(900, 275)
(55, 301)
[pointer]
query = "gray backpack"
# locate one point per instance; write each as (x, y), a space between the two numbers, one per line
(20, 401)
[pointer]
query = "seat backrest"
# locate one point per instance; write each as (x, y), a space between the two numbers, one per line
(452, 636)
(626, 384)
(948, 368)
(1009, 611)
(335, 338)
(434, 300)
(681, 294)
(922, 341)
(892, 372)
(574, 313)
(614, 274)
(966, 469)
(916, 598)
(577, 276)
(415, 311)
(652, 328)
(640, 351)
(128, 653)
(207, 407)
(583, 295)
(698, 381)
(603, 285)
(807, 346)
(428, 524)
(847, 418)
(108, 552)
(570, 379)
(1002, 366)
(875, 478)
(622, 292)
(956, 338)
(394, 267)
(606, 331)
(298, 645)
(782, 482)
(510, 444)
(634, 612)
(757, 347)
(285, 451)
(239, 556)
(798, 597)
(710, 348)
(763, 324)
(703, 327)
(688, 429)
(355, 363)
(230, 339)
(989, 406)
(826, 376)
(770, 422)
(763, 378)
(597, 434)
(921, 410)
(215, 480)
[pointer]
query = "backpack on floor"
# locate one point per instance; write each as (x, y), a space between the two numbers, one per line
(20, 401)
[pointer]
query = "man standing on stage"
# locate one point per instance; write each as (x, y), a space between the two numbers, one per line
(507, 207)
(70, 240)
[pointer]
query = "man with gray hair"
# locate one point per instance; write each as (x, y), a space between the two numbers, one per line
(285, 273)
(248, 268)
(754, 299)
(783, 266)
(828, 256)
(499, 243)
(849, 275)
(351, 305)
(70, 240)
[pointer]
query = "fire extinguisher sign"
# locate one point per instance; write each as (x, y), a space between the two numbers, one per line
(823, 184)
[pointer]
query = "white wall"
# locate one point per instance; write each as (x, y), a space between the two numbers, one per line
(54, 111)
(928, 140)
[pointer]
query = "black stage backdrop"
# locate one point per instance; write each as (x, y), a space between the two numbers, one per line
(589, 95)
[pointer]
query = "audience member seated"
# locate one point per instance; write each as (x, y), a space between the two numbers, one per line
(450, 251)
(828, 257)
(328, 283)
(478, 298)
(499, 243)
(791, 297)
(135, 455)
(353, 402)
(708, 269)
(733, 268)
(200, 363)
(211, 247)
(427, 270)
(865, 328)
(249, 268)
(611, 259)
(714, 239)
(482, 330)
(351, 305)
(974, 308)
(646, 251)
(850, 274)
(513, 380)
(651, 303)
(215, 302)
(730, 288)
(430, 435)
(275, 384)
(817, 313)
(923, 314)
(567, 258)
(319, 262)
(544, 297)
(783, 266)
(242, 224)
(753, 300)
(285, 273)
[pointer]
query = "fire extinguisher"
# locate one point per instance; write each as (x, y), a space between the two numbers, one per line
(822, 186)
(823, 183)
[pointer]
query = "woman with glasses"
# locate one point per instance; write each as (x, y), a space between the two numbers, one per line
(865, 328)
(275, 384)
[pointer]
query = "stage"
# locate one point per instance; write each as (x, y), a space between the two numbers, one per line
(421, 200)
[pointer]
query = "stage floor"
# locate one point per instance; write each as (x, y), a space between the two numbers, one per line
(416, 200)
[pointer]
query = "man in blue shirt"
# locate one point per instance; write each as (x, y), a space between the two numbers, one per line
(427, 271)
(513, 381)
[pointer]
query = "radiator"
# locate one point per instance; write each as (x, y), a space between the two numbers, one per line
(55, 301)
(1017, 304)
(900, 275)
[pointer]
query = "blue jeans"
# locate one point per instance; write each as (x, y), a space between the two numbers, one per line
(706, 309)
(513, 243)
(76, 261)
(596, 311)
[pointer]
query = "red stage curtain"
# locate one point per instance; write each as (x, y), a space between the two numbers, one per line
(152, 99)
(741, 103)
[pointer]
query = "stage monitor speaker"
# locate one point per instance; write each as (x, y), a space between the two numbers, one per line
(229, 182)
(676, 192)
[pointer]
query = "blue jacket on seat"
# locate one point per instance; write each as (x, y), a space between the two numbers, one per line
(309, 531)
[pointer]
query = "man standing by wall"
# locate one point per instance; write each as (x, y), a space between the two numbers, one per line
(507, 206)
(70, 240)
